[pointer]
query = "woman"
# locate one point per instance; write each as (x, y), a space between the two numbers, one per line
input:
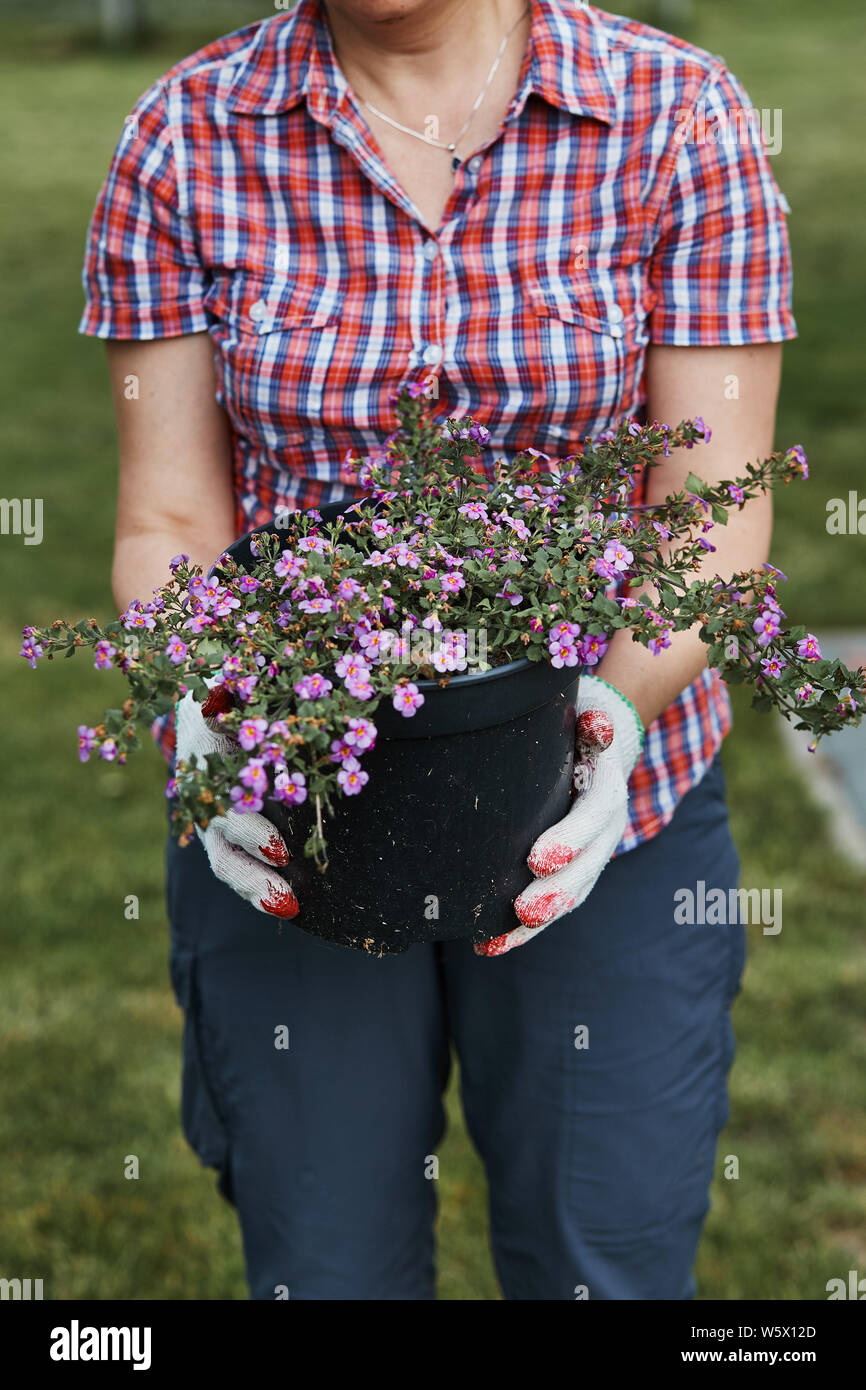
(539, 212)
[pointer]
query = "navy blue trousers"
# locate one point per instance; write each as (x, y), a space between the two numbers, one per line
(593, 1069)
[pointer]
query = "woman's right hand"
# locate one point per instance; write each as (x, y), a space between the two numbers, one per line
(238, 846)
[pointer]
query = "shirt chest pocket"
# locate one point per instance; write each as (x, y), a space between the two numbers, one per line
(591, 339)
(276, 338)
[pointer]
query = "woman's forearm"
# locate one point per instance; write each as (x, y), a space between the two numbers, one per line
(683, 383)
(141, 559)
(653, 682)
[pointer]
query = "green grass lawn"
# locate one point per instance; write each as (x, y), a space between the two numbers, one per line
(89, 1071)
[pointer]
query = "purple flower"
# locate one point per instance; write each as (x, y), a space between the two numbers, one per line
(805, 693)
(341, 751)
(767, 626)
(245, 800)
(137, 617)
(251, 733)
(603, 568)
(246, 687)
(176, 651)
(348, 589)
(407, 699)
(592, 648)
(290, 788)
(359, 687)
(618, 556)
(108, 750)
(205, 591)
(224, 604)
(200, 619)
(288, 566)
(475, 511)
(103, 653)
(372, 642)
(352, 779)
(87, 741)
(318, 544)
(351, 667)
(798, 453)
(321, 604)
(562, 644)
(737, 493)
(514, 598)
(171, 788)
(254, 777)
(773, 665)
(450, 652)
(248, 584)
(31, 651)
(176, 561)
(360, 734)
(808, 648)
(313, 687)
(519, 527)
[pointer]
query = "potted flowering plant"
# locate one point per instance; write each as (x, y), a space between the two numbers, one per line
(396, 667)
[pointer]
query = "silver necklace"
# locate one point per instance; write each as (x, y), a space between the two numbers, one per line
(442, 144)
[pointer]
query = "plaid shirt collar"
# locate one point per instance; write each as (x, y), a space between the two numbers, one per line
(293, 60)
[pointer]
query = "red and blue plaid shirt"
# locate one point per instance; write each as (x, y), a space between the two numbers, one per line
(627, 199)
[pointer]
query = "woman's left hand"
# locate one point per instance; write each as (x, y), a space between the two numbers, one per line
(568, 858)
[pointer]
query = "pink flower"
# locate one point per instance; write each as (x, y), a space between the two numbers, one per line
(86, 742)
(251, 733)
(808, 648)
(360, 734)
(407, 699)
(452, 582)
(245, 800)
(104, 653)
(290, 788)
(618, 556)
(254, 777)
(352, 779)
(176, 651)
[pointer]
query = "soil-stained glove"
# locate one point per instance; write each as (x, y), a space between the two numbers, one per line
(568, 858)
(238, 847)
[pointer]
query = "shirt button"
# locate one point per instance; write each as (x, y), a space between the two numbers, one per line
(475, 163)
(258, 311)
(615, 331)
(615, 314)
(783, 203)
(431, 250)
(432, 354)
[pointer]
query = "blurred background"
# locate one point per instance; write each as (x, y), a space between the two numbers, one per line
(89, 1070)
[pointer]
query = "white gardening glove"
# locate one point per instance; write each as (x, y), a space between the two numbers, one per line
(237, 846)
(568, 858)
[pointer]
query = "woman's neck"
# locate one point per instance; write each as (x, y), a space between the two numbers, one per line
(396, 51)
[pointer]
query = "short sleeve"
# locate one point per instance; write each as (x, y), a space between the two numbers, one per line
(142, 276)
(721, 267)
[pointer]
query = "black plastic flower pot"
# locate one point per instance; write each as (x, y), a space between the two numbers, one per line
(434, 847)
